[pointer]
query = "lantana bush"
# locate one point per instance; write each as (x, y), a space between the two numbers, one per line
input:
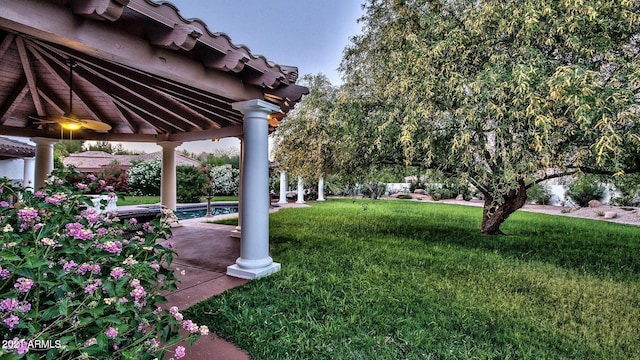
(78, 283)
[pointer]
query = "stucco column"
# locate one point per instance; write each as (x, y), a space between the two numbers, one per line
(321, 189)
(300, 191)
(44, 160)
(168, 174)
(237, 232)
(283, 187)
(254, 260)
(29, 174)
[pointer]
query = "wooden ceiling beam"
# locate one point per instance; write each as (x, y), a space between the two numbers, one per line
(12, 101)
(108, 43)
(6, 42)
(31, 77)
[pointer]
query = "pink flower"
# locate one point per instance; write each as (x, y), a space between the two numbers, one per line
(4, 204)
(4, 273)
(9, 305)
(179, 352)
(111, 333)
(23, 345)
(93, 286)
(23, 284)
(69, 266)
(117, 273)
(190, 326)
(133, 221)
(91, 215)
(138, 293)
(11, 321)
(77, 231)
(82, 186)
(56, 199)
(90, 342)
(114, 247)
(91, 177)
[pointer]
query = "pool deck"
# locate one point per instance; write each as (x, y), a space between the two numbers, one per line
(204, 251)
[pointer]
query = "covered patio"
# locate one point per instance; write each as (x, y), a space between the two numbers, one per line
(136, 70)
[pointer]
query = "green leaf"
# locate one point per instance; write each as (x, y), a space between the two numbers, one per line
(9, 256)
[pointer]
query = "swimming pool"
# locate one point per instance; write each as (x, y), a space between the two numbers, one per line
(197, 211)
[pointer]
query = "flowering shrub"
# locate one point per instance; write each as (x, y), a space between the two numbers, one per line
(224, 180)
(110, 179)
(74, 283)
(144, 178)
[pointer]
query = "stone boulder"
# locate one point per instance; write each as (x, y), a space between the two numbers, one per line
(594, 204)
(420, 191)
(610, 215)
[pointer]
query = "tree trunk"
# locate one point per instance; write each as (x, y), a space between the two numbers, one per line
(494, 215)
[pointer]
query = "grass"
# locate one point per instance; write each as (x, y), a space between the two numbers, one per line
(143, 200)
(407, 280)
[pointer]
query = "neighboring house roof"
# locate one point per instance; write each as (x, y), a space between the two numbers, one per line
(10, 148)
(93, 161)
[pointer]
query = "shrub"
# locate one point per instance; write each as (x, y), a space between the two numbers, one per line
(192, 184)
(225, 181)
(540, 194)
(374, 190)
(115, 176)
(584, 189)
(628, 188)
(72, 280)
(442, 191)
(404, 196)
(144, 178)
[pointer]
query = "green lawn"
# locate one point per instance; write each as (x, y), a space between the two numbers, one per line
(409, 280)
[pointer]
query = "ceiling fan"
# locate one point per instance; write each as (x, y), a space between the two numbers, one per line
(69, 120)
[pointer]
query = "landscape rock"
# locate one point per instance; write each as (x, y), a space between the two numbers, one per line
(420, 191)
(610, 215)
(594, 204)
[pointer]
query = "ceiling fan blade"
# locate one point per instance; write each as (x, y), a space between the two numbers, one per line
(95, 125)
(43, 120)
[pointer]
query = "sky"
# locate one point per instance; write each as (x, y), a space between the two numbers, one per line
(309, 34)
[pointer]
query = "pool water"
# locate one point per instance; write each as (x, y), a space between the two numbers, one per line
(200, 211)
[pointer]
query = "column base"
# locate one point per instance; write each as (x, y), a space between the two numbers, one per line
(323, 199)
(250, 274)
(283, 202)
(300, 202)
(236, 234)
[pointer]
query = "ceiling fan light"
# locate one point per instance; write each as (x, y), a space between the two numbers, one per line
(70, 125)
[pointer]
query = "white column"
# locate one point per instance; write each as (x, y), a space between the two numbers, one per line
(300, 191)
(168, 174)
(29, 175)
(283, 187)
(44, 160)
(237, 232)
(321, 189)
(254, 260)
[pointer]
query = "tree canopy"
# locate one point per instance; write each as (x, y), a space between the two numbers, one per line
(305, 143)
(502, 93)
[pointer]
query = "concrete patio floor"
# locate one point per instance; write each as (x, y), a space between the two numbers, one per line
(204, 251)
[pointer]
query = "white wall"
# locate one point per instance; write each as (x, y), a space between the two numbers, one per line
(12, 169)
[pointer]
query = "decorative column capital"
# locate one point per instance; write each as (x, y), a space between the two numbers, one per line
(40, 141)
(169, 145)
(257, 105)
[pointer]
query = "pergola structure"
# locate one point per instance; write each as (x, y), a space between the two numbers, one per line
(151, 76)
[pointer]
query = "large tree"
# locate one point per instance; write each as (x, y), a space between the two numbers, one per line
(305, 142)
(502, 93)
